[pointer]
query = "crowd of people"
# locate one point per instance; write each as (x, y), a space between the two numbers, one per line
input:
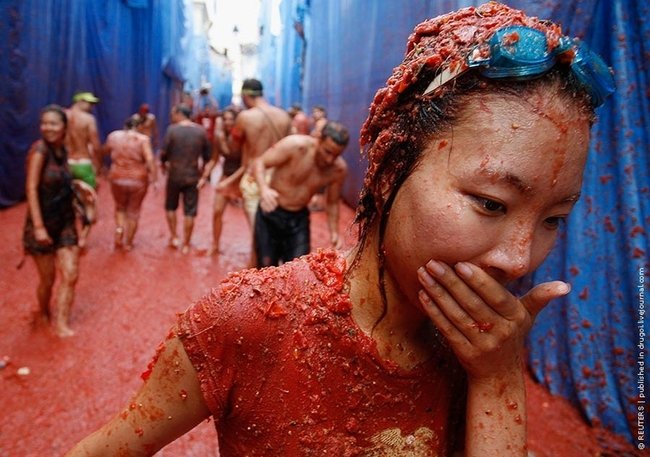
(200, 141)
(409, 343)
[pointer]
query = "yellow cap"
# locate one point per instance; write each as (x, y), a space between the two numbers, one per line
(85, 97)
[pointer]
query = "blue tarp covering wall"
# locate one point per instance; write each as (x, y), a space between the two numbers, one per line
(125, 51)
(585, 347)
(281, 59)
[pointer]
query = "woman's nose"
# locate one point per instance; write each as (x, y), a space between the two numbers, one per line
(511, 257)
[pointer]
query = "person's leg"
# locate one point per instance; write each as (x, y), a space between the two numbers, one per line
(119, 197)
(296, 236)
(217, 221)
(131, 228)
(172, 193)
(136, 196)
(171, 223)
(46, 273)
(68, 266)
(190, 208)
(251, 199)
(265, 242)
(83, 235)
(120, 222)
(188, 227)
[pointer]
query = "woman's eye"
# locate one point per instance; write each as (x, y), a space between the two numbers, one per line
(554, 222)
(490, 206)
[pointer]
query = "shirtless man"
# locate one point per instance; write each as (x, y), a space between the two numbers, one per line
(319, 119)
(256, 130)
(84, 147)
(302, 165)
(299, 120)
(148, 125)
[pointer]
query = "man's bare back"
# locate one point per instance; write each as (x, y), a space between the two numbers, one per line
(262, 126)
(256, 129)
(82, 140)
(149, 127)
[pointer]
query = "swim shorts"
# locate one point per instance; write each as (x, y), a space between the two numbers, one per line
(250, 192)
(83, 169)
(281, 235)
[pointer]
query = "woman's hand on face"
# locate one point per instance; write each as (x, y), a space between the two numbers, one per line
(484, 323)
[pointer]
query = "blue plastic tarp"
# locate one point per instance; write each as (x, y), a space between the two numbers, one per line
(127, 52)
(586, 346)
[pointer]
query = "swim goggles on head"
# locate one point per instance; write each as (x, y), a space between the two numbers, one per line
(521, 53)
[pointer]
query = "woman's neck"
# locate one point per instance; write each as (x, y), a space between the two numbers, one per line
(55, 146)
(402, 332)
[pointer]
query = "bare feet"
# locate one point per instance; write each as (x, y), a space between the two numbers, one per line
(82, 246)
(40, 318)
(214, 250)
(119, 231)
(174, 242)
(63, 331)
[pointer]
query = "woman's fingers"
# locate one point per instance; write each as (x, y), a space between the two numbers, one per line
(484, 324)
(539, 296)
(473, 302)
(459, 291)
(490, 291)
(502, 301)
(448, 296)
(446, 328)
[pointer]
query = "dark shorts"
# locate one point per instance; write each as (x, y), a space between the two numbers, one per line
(230, 166)
(190, 197)
(62, 231)
(281, 235)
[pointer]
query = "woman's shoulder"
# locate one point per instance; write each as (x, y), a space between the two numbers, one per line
(141, 136)
(312, 283)
(39, 147)
(115, 135)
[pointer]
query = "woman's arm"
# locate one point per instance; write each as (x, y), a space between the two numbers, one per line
(35, 163)
(147, 151)
(231, 180)
(209, 166)
(168, 405)
(220, 138)
(486, 327)
(333, 194)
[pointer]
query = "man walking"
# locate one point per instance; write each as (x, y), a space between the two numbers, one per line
(256, 129)
(184, 144)
(84, 149)
(302, 165)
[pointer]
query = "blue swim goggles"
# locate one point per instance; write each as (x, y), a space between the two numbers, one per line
(520, 52)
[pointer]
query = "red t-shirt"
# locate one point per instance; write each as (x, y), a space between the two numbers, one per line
(285, 371)
(208, 121)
